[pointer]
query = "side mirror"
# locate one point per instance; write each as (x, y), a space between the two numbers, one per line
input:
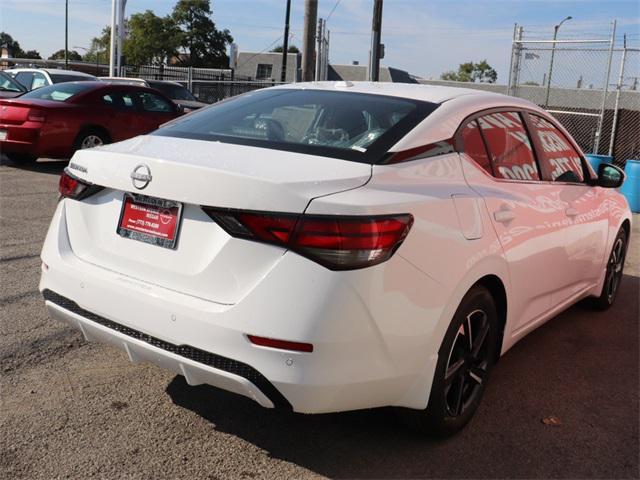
(610, 176)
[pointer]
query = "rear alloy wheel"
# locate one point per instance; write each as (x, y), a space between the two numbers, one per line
(90, 139)
(613, 274)
(465, 360)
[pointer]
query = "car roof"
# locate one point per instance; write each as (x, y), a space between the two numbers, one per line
(168, 82)
(426, 93)
(52, 71)
(123, 79)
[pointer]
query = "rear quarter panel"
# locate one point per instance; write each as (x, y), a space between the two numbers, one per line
(413, 297)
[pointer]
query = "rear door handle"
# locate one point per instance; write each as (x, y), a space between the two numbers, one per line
(504, 215)
(571, 212)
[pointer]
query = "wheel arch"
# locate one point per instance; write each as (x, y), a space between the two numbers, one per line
(87, 127)
(626, 226)
(496, 288)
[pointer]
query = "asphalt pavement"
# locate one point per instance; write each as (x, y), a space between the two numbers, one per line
(72, 409)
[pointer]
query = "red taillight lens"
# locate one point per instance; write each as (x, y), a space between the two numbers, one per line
(72, 187)
(35, 115)
(345, 243)
(337, 242)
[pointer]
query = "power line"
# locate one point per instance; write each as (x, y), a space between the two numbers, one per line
(332, 10)
(261, 51)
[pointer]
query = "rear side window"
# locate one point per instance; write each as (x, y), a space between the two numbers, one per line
(509, 146)
(25, 78)
(473, 145)
(151, 102)
(39, 80)
(559, 161)
(123, 101)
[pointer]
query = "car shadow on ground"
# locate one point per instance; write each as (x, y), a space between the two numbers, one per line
(503, 439)
(52, 167)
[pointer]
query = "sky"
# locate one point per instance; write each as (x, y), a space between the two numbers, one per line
(424, 37)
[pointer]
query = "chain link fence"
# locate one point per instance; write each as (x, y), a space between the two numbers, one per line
(590, 85)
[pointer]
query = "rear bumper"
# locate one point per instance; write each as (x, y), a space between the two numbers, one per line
(198, 367)
(21, 138)
(372, 353)
(37, 139)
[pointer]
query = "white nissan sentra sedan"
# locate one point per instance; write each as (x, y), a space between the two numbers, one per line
(335, 246)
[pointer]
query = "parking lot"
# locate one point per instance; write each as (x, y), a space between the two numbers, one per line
(70, 409)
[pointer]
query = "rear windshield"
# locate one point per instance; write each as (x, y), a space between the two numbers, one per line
(59, 93)
(351, 126)
(60, 78)
(174, 92)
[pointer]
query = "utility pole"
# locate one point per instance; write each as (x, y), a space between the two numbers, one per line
(376, 27)
(285, 43)
(121, 33)
(308, 47)
(66, 34)
(112, 43)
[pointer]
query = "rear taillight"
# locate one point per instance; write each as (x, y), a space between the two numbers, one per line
(72, 187)
(337, 242)
(35, 115)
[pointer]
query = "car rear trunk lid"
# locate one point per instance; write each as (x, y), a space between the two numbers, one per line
(206, 262)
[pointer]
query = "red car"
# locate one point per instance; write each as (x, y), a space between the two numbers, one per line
(57, 120)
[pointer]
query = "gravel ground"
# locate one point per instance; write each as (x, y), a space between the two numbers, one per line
(71, 409)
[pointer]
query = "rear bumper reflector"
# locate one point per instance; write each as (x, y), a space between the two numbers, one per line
(211, 359)
(280, 344)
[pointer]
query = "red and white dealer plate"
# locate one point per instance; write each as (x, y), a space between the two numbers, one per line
(150, 220)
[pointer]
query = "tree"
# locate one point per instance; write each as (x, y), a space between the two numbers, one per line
(472, 72)
(206, 46)
(151, 39)
(12, 45)
(59, 55)
(99, 49)
(291, 49)
(31, 54)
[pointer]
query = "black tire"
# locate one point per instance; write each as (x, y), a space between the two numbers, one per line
(89, 138)
(613, 274)
(22, 158)
(462, 372)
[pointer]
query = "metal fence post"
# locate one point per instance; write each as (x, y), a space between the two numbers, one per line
(190, 78)
(596, 146)
(513, 49)
(319, 32)
(516, 54)
(614, 124)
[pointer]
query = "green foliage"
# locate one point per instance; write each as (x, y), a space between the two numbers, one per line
(291, 49)
(31, 54)
(472, 72)
(13, 45)
(205, 45)
(154, 40)
(99, 49)
(59, 55)
(151, 39)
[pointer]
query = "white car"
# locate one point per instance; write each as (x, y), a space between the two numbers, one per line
(336, 246)
(33, 78)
